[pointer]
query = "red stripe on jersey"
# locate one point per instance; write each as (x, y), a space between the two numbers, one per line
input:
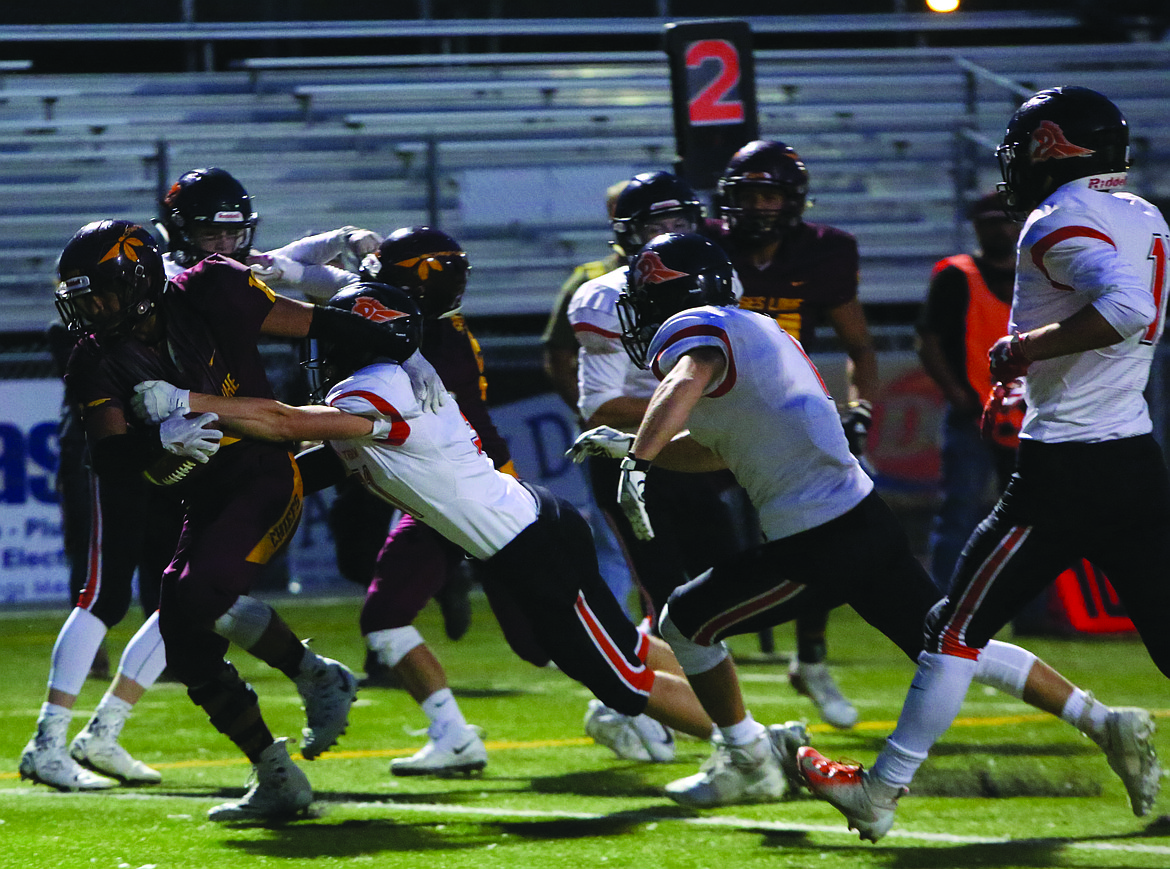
(703, 329)
(722, 623)
(399, 428)
(1040, 248)
(800, 347)
(597, 330)
(639, 679)
(93, 567)
(954, 635)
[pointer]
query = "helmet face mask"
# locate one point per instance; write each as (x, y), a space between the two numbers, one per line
(1057, 136)
(672, 273)
(428, 264)
(110, 275)
(763, 193)
(653, 203)
(327, 363)
(207, 211)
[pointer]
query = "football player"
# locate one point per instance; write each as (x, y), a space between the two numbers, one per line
(1088, 308)
(535, 549)
(208, 211)
(241, 503)
(736, 390)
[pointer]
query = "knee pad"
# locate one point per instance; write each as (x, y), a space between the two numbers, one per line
(1004, 666)
(392, 644)
(245, 622)
(692, 657)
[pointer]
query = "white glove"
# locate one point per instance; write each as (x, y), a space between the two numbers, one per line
(155, 400)
(600, 441)
(362, 241)
(188, 437)
(276, 267)
(632, 495)
(428, 387)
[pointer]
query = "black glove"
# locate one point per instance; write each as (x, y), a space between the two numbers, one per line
(856, 420)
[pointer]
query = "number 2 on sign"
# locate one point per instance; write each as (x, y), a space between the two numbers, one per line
(709, 106)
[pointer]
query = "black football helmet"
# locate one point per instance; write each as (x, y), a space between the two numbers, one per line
(206, 199)
(108, 257)
(652, 196)
(327, 362)
(672, 273)
(427, 263)
(767, 164)
(1056, 136)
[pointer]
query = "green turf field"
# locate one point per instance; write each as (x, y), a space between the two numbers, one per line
(1005, 788)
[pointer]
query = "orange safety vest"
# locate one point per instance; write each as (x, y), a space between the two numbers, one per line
(987, 321)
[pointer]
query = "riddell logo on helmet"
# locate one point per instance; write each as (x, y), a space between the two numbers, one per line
(228, 217)
(374, 310)
(1107, 182)
(651, 269)
(1050, 143)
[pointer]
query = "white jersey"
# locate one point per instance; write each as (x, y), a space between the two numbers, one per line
(430, 464)
(769, 418)
(1080, 246)
(604, 369)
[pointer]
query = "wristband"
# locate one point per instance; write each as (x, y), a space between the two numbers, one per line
(631, 463)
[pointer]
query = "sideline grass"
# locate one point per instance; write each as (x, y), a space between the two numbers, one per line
(1007, 787)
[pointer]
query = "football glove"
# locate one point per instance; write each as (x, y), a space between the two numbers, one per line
(632, 495)
(856, 420)
(600, 441)
(156, 400)
(425, 382)
(276, 267)
(1003, 414)
(188, 437)
(1006, 358)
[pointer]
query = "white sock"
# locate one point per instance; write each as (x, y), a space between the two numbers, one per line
(54, 721)
(112, 712)
(442, 711)
(931, 704)
(1085, 712)
(73, 652)
(743, 733)
(144, 657)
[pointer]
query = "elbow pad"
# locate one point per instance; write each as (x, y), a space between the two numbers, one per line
(395, 339)
(320, 468)
(125, 454)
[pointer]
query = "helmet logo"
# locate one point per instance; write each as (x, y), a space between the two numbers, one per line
(375, 311)
(426, 262)
(126, 246)
(651, 269)
(228, 217)
(665, 205)
(1049, 142)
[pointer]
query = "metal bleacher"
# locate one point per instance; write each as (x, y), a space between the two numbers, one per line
(512, 153)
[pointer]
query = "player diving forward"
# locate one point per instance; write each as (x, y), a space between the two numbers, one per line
(534, 547)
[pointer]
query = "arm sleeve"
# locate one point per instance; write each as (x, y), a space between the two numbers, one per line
(1092, 266)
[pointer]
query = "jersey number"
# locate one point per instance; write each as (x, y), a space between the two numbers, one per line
(709, 105)
(1157, 258)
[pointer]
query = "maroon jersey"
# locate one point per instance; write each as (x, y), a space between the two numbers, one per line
(212, 315)
(455, 354)
(814, 269)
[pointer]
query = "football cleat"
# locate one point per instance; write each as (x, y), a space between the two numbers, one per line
(734, 774)
(46, 761)
(1128, 744)
(656, 737)
(615, 731)
(97, 748)
(787, 739)
(845, 786)
(816, 682)
(279, 790)
(449, 751)
(328, 689)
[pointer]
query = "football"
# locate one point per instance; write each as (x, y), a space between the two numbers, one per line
(169, 469)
